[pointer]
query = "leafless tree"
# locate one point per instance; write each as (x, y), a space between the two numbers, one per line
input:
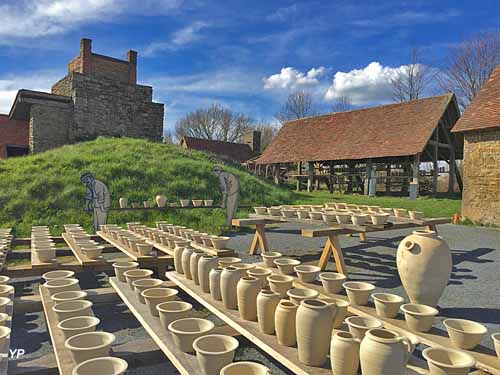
(214, 122)
(168, 138)
(412, 81)
(469, 66)
(342, 104)
(299, 104)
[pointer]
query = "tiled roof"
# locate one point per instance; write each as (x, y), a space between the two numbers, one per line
(238, 152)
(390, 130)
(484, 111)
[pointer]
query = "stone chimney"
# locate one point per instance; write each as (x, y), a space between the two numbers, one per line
(132, 66)
(252, 138)
(86, 55)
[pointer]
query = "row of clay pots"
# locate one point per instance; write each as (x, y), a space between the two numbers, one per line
(5, 241)
(6, 292)
(196, 202)
(83, 241)
(128, 239)
(161, 201)
(42, 244)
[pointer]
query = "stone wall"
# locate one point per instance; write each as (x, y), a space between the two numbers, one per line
(49, 126)
(62, 87)
(12, 133)
(481, 196)
(108, 67)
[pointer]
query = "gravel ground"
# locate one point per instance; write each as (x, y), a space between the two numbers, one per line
(472, 293)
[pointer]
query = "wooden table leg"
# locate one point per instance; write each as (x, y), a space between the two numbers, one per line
(333, 246)
(259, 240)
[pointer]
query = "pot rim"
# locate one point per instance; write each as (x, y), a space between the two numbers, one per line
(313, 293)
(136, 283)
(235, 344)
(271, 254)
(109, 336)
(120, 264)
(336, 276)
(4, 332)
(260, 271)
(70, 275)
(268, 293)
(84, 304)
(144, 271)
(171, 293)
(280, 279)
(447, 322)
(288, 304)
(123, 365)
(79, 294)
(350, 286)
(287, 262)
(187, 306)
(311, 303)
(344, 336)
(470, 363)
(245, 364)
(376, 296)
(431, 312)
(230, 259)
(396, 336)
(425, 233)
(210, 326)
(310, 268)
(349, 321)
(69, 282)
(94, 322)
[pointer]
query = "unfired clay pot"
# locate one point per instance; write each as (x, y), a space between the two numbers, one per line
(261, 274)
(443, 361)
(205, 265)
(144, 248)
(59, 274)
(284, 323)
(123, 202)
(419, 317)
(247, 290)
(173, 310)
(3, 304)
(214, 283)
(245, 368)
(359, 325)
(101, 366)
(344, 353)
(46, 255)
(61, 285)
(72, 295)
(178, 259)
(269, 257)
(424, 266)
(143, 284)
(155, 296)
(89, 345)
(267, 301)
(297, 295)
(186, 259)
(6, 290)
(496, 342)
(314, 331)
(341, 306)
(228, 282)
(136, 274)
(228, 261)
(358, 291)
(161, 200)
(279, 284)
(387, 305)
(187, 330)
(416, 215)
(76, 325)
(332, 281)
(70, 309)
(384, 352)
(260, 210)
(465, 334)
(244, 268)
(4, 335)
(193, 265)
(286, 265)
(220, 242)
(307, 273)
(214, 352)
(5, 279)
(121, 267)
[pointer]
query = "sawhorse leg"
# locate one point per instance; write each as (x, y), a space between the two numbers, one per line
(333, 246)
(259, 239)
(362, 236)
(432, 228)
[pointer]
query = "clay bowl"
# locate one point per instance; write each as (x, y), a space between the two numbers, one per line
(387, 305)
(197, 202)
(121, 267)
(288, 213)
(448, 361)
(303, 214)
(92, 252)
(359, 219)
(143, 284)
(6, 290)
(419, 317)
(88, 345)
(136, 274)
(359, 325)
(400, 212)
(496, 343)
(208, 202)
(45, 255)
(155, 296)
(260, 273)
(286, 265)
(72, 295)
(61, 285)
(243, 268)
(207, 241)
(76, 325)
(144, 248)
(3, 319)
(4, 279)
(187, 330)
(59, 274)
(315, 215)
(3, 304)
(280, 284)
(297, 295)
(101, 366)
(330, 217)
(245, 368)
(269, 257)
(196, 237)
(274, 211)
(343, 218)
(4, 334)
(220, 242)
(228, 261)
(214, 352)
(70, 309)
(358, 292)
(332, 281)
(465, 334)
(341, 306)
(184, 202)
(307, 273)
(173, 310)
(260, 210)
(379, 219)
(416, 215)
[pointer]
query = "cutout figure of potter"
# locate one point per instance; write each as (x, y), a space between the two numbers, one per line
(96, 198)
(230, 188)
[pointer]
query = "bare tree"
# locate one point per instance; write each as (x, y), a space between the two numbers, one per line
(214, 122)
(299, 104)
(412, 81)
(168, 138)
(469, 66)
(342, 104)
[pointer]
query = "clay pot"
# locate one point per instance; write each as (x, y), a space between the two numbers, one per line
(261, 274)
(208, 202)
(314, 331)
(269, 257)
(358, 291)
(465, 334)
(359, 219)
(207, 241)
(173, 310)
(73, 295)
(197, 202)
(279, 284)
(186, 262)
(247, 290)
(3, 319)
(384, 352)
(143, 284)
(121, 267)
(136, 274)
(214, 283)
(76, 325)
(341, 306)
(6, 290)
(5, 279)
(184, 202)
(245, 368)
(496, 342)
(205, 265)
(3, 304)
(400, 212)
(187, 330)
(379, 218)
(267, 302)
(284, 323)
(61, 285)
(416, 215)
(193, 265)
(70, 309)
(260, 210)
(46, 255)
(228, 283)
(89, 345)
(155, 296)
(359, 325)
(443, 361)
(344, 353)
(228, 261)
(123, 202)
(297, 295)
(419, 317)
(214, 352)
(332, 281)
(286, 265)
(330, 218)
(144, 248)
(274, 211)
(92, 252)
(101, 366)
(288, 213)
(315, 215)
(178, 259)
(424, 266)
(303, 214)
(387, 305)
(220, 242)
(307, 273)
(161, 200)
(343, 217)
(4, 335)
(59, 274)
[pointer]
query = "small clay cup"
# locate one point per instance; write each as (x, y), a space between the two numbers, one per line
(307, 273)
(286, 265)
(358, 292)
(280, 284)
(332, 281)
(269, 257)
(465, 334)
(359, 325)
(387, 305)
(419, 317)
(444, 361)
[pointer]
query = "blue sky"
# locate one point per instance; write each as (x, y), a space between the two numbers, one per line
(246, 55)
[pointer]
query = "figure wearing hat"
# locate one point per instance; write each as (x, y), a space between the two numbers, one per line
(230, 188)
(98, 198)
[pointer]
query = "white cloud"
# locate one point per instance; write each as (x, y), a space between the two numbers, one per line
(292, 79)
(283, 14)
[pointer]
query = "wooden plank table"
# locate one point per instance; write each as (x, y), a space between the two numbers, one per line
(5, 348)
(259, 238)
(82, 259)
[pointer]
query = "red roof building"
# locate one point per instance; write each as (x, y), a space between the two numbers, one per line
(14, 137)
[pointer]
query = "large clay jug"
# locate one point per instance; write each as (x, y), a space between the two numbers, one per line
(344, 353)
(178, 259)
(384, 352)
(193, 265)
(314, 331)
(205, 265)
(424, 266)
(123, 202)
(215, 283)
(247, 290)
(284, 322)
(161, 200)
(267, 301)
(186, 257)
(228, 282)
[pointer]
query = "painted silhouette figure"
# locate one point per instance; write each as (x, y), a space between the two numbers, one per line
(96, 198)
(230, 188)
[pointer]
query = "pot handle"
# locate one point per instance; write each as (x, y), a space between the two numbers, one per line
(409, 345)
(409, 244)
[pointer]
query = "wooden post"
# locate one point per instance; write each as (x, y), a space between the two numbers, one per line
(416, 172)
(310, 171)
(435, 164)
(299, 172)
(388, 178)
(368, 173)
(276, 173)
(350, 177)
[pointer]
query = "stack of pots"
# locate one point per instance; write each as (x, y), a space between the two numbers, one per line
(42, 244)
(83, 241)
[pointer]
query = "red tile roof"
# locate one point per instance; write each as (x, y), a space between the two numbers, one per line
(391, 130)
(484, 111)
(238, 152)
